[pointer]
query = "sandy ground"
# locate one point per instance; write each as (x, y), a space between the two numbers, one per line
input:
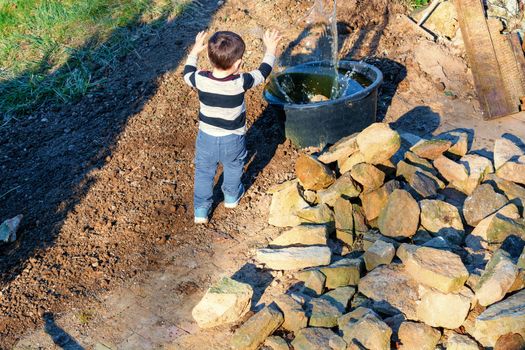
(108, 253)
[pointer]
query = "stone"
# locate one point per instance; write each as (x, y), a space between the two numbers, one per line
(314, 284)
(323, 313)
(380, 253)
(506, 316)
(392, 284)
(457, 341)
(514, 192)
(394, 322)
(342, 149)
(513, 171)
(319, 214)
(225, 302)
(360, 225)
(502, 227)
(510, 341)
(466, 175)
(504, 151)
(391, 223)
(312, 174)
(438, 309)
(378, 143)
(424, 183)
(344, 186)
(285, 203)
(478, 168)
(421, 237)
(310, 196)
(368, 176)
(417, 336)
(485, 227)
(443, 20)
(9, 228)
(276, 343)
(340, 297)
(368, 331)
(374, 202)
(481, 203)
(294, 316)
(521, 260)
(438, 216)
(294, 258)
(453, 172)
(436, 268)
(251, 334)
(344, 272)
(302, 235)
(318, 339)
(497, 279)
(460, 142)
(346, 164)
(343, 214)
(431, 149)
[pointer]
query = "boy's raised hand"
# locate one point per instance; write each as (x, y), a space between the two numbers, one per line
(271, 39)
(200, 43)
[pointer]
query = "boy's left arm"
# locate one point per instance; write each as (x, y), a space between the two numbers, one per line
(271, 39)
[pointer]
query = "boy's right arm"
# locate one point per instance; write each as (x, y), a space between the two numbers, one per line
(190, 68)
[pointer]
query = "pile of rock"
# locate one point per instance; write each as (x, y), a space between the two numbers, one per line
(394, 241)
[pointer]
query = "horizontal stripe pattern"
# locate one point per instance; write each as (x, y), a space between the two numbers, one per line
(222, 108)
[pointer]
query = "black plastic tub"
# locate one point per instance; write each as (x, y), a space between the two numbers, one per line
(320, 123)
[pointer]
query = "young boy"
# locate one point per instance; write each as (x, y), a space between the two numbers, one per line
(222, 114)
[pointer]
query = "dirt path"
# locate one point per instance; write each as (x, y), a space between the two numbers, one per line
(106, 185)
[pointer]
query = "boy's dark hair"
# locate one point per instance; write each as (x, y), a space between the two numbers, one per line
(225, 48)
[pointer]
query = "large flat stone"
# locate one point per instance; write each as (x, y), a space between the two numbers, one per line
(438, 216)
(253, 333)
(481, 203)
(417, 336)
(420, 178)
(285, 203)
(507, 316)
(368, 176)
(431, 149)
(504, 151)
(447, 310)
(344, 272)
(312, 174)
(400, 216)
(380, 253)
(392, 284)
(302, 235)
(374, 202)
(319, 214)
(436, 268)
(323, 313)
(512, 191)
(368, 331)
(226, 301)
(378, 143)
(486, 228)
(497, 279)
(294, 316)
(342, 149)
(318, 339)
(294, 258)
(344, 186)
(513, 171)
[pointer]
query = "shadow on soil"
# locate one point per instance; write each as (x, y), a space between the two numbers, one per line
(60, 337)
(48, 157)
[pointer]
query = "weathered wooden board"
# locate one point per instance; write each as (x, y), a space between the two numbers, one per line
(482, 57)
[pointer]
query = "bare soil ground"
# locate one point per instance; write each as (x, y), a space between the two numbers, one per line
(105, 185)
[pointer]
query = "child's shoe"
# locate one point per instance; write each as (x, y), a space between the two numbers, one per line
(201, 216)
(231, 202)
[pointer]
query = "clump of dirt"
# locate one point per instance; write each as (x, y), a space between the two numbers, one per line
(105, 185)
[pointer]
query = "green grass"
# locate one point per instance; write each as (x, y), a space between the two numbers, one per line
(419, 3)
(49, 49)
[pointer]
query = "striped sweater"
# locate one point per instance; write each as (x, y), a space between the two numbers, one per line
(222, 107)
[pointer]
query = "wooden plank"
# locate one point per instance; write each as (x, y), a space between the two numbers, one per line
(519, 55)
(509, 68)
(482, 58)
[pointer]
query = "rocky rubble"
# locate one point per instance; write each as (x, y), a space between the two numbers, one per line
(393, 241)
